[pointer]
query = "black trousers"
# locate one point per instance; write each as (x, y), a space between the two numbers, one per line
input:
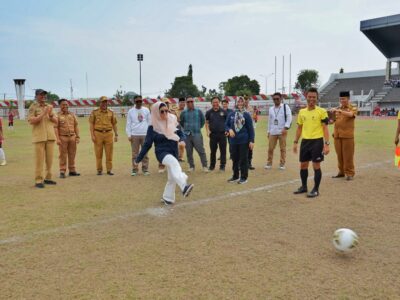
(217, 140)
(250, 156)
(240, 160)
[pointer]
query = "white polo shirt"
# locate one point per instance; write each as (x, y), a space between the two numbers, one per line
(276, 121)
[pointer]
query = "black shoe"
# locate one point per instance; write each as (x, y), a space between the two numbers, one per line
(74, 174)
(251, 168)
(51, 182)
(39, 185)
(188, 188)
(99, 173)
(233, 179)
(222, 168)
(110, 173)
(300, 190)
(242, 181)
(338, 176)
(314, 193)
(62, 175)
(211, 168)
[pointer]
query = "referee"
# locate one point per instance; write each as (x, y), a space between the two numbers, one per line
(312, 127)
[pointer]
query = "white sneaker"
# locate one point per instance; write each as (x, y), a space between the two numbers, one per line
(267, 166)
(190, 170)
(161, 171)
(3, 162)
(206, 170)
(282, 167)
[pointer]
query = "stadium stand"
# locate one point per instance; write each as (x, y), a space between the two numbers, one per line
(375, 88)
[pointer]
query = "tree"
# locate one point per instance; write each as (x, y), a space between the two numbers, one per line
(307, 79)
(52, 97)
(240, 86)
(190, 72)
(183, 86)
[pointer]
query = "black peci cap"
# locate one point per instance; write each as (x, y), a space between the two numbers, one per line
(344, 94)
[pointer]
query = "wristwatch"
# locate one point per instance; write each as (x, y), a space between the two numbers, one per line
(327, 143)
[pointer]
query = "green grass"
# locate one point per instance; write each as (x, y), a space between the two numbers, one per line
(24, 209)
(261, 245)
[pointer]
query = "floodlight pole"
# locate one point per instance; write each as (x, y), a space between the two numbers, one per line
(20, 91)
(266, 81)
(140, 59)
(275, 75)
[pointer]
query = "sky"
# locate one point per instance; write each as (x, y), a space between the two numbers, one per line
(49, 42)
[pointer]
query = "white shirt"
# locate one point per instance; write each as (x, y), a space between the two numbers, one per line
(138, 121)
(278, 113)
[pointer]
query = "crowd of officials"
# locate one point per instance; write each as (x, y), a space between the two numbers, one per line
(175, 130)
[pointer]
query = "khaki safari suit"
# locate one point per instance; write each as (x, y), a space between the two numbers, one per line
(43, 139)
(103, 122)
(344, 140)
(67, 129)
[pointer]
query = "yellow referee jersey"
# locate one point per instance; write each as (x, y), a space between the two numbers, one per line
(312, 120)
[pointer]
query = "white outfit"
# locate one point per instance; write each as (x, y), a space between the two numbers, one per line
(137, 122)
(175, 177)
(278, 113)
(2, 155)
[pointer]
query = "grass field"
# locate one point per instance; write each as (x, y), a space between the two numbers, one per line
(103, 237)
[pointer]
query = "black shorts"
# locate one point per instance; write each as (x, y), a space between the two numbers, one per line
(312, 150)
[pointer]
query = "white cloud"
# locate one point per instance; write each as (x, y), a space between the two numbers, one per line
(265, 7)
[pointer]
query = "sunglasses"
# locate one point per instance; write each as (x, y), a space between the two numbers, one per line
(163, 111)
(276, 99)
(189, 101)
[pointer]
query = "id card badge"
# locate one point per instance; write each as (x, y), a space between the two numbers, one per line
(276, 122)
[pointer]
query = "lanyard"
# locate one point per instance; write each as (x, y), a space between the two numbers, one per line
(276, 113)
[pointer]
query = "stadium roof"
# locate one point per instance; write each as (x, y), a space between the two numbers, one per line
(384, 33)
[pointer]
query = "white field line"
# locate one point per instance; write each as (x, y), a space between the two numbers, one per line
(161, 211)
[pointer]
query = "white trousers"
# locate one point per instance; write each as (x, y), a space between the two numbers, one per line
(2, 155)
(175, 177)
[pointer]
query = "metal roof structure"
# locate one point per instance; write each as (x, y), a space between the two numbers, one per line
(384, 33)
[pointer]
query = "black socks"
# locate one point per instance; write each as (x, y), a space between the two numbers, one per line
(317, 178)
(303, 176)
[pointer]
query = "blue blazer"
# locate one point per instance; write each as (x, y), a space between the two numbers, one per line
(163, 146)
(246, 134)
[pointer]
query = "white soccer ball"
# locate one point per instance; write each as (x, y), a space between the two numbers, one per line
(345, 239)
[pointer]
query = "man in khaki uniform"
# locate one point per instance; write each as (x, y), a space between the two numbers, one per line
(67, 133)
(43, 121)
(343, 134)
(102, 122)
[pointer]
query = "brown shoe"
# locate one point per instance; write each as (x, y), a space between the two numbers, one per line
(51, 182)
(338, 176)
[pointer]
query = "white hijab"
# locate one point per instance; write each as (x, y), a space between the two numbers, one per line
(166, 127)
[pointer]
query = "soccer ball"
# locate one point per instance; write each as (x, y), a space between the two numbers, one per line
(345, 239)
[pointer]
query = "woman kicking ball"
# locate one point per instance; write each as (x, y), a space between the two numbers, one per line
(165, 135)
